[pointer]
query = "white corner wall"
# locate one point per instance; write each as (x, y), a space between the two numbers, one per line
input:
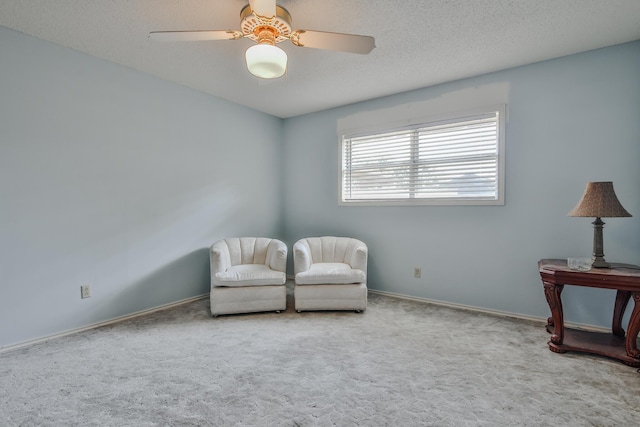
(570, 121)
(119, 180)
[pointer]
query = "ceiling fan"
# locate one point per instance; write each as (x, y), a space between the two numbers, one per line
(266, 23)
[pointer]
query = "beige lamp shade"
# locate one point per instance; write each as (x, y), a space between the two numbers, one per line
(599, 200)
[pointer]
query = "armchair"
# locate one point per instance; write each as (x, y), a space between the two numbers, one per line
(330, 274)
(248, 274)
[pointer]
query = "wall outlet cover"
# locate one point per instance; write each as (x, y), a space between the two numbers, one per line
(85, 291)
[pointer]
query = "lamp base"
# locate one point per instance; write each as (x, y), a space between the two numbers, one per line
(598, 251)
(599, 262)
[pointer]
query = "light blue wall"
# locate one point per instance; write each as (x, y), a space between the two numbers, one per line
(120, 180)
(117, 179)
(570, 121)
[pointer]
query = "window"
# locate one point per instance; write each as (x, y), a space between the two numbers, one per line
(459, 160)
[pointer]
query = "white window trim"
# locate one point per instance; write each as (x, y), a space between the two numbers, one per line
(378, 127)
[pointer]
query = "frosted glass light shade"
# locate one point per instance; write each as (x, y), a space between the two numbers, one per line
(266, 61)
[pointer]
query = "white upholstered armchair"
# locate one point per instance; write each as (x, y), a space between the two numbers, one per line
(330, 274)
(248, 274)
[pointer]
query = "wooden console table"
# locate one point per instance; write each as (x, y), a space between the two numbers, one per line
(625, 279)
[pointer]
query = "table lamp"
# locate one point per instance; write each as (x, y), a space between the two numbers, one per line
(599, 201)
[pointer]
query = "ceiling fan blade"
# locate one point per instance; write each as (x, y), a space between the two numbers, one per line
(265, 9)
(198, 35)
(333, 41)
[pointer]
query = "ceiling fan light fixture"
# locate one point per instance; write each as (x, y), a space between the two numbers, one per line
(266, 61)
(268, 24)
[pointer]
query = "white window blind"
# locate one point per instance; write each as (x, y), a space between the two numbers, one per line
(456, 161)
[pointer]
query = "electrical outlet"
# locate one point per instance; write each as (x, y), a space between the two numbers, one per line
(85, 291)
(417, 272)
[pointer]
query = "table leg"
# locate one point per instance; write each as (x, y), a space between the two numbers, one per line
(622, 299)
(555, 325)
(634, 327)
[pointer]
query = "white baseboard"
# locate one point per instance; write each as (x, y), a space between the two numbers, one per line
(488, 311)
(385, 293)
(103, 323)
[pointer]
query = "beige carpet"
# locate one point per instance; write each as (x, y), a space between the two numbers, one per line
(400, 363)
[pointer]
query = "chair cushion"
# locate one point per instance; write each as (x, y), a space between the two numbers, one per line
(330, 273)
(249, 275)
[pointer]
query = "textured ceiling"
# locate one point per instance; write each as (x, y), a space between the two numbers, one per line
(419, 43)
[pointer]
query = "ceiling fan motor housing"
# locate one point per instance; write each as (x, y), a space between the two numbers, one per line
(256, 29)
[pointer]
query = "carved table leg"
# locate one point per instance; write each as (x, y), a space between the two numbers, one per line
(552, 293)
(622, 299)
(634, 327)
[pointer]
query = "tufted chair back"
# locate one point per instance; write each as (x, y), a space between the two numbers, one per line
(330, 249)
(233, 251)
